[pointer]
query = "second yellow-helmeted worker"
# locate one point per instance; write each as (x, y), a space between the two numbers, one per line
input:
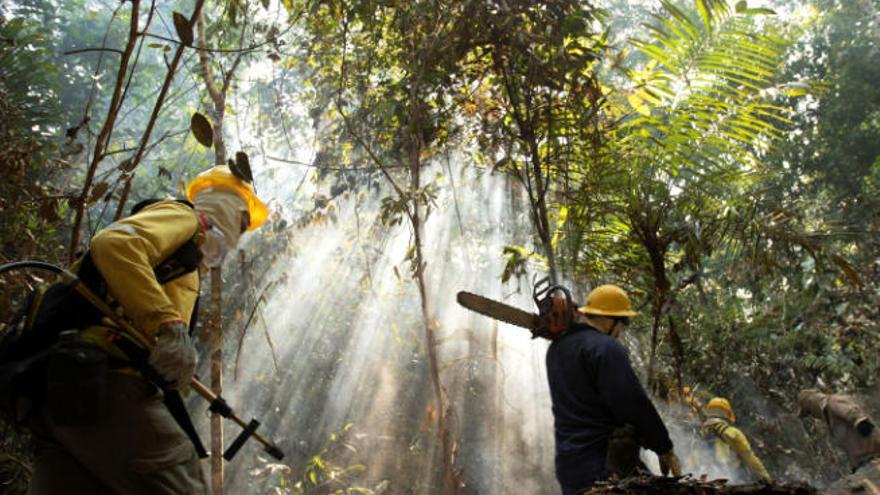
(731, 447)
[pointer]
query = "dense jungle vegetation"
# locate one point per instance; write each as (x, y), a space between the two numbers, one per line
(720, 160)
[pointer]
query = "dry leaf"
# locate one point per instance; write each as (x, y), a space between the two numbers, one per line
(126, 165)
(184, 29)
(241, 168)
(201, 129)
(98, 190)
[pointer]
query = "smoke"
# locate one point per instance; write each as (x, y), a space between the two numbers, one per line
(350, 343)
(353, 384)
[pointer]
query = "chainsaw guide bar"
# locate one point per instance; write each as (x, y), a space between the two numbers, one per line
(497, 310)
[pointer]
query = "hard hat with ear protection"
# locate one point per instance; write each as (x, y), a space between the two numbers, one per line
(221, 177)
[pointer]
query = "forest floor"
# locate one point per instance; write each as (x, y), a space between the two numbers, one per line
(687, 486)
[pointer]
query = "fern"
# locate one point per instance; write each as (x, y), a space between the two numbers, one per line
(705, 99)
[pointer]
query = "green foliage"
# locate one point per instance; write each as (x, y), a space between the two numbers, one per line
(15, 473)
(704, 99)
(320, 475)
(518, 259)
(30, 121)
(539, 103)
(831, 156)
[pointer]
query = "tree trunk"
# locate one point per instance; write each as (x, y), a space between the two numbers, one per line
(449, 475)
(655, 332)
(443, 430)
(677, 352)
(542, 217)
(218, 98)
(656, 253)
(217, 113)
(216, 380)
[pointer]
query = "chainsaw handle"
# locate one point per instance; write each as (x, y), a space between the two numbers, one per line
(555, 314)
(544, 288)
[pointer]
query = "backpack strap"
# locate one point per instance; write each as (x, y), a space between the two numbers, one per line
(184, 260)
(147, 202)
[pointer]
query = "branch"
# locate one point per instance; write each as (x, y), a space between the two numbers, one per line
(120, 208)
(94, 89)
(103, 136)
(260, 299)
(160, 100)
(204, 61)
(219, 50)
(140, 48)
(335, 169)
(348, 126)
(227, 77)
(269, 341)
(88, 50)
(151, 146)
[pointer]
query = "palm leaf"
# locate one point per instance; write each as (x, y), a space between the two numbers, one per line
(709, 92)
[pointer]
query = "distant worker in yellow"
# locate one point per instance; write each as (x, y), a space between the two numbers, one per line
(730, 444)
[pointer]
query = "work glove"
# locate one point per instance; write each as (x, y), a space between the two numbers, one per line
(174, 357)
(669, 462)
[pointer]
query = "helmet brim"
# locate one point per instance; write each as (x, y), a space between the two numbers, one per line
(600, 312)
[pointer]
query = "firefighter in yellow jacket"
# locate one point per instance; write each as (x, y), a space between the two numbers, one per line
(136, 447)
(730, 444)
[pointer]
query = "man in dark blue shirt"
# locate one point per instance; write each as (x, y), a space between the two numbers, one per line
(595, 391)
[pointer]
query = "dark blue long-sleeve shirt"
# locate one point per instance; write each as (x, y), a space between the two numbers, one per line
(595, 390)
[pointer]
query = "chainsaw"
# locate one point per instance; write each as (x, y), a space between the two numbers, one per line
(555, 310)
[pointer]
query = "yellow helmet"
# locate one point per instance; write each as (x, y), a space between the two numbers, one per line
(220, 177)
(608, 300)
(719, 406)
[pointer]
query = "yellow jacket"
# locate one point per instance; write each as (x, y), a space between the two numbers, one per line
(125, 253)
(729, 438)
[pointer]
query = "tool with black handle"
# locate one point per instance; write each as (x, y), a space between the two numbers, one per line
(217, 403)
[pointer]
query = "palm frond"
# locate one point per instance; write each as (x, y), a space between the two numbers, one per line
(707, 96)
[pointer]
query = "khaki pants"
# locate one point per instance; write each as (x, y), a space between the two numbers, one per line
(135, 448)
